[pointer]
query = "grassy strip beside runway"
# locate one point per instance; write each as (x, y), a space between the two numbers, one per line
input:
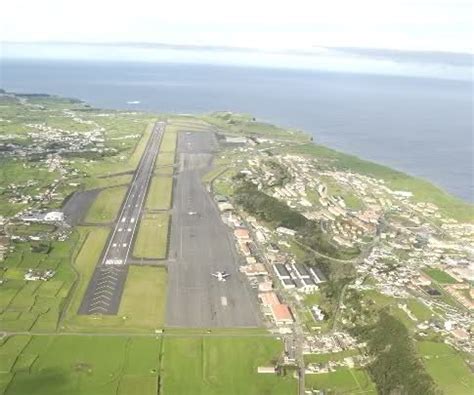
(106, 206)
(152, 239)
(159, 193)
(168, 144)
(93, 240)
(143, 283)
(165, 159)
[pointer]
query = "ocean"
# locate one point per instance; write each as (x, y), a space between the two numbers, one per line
(422, 126)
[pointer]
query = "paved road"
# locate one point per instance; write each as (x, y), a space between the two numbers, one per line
(106, 286)
(200, 245)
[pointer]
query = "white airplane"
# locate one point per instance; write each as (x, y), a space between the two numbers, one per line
(221, 276)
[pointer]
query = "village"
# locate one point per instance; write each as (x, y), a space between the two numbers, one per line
(401, 243)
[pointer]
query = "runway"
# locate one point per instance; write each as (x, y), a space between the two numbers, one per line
(200, 245)
(106, 286)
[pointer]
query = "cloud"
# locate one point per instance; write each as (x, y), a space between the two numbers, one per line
(413, 25)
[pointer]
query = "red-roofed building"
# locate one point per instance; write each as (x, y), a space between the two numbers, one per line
(242, 234)
(269, 298)
(281, 314)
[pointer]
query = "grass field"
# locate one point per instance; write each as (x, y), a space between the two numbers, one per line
(144, 283)
(168, 143)
(106, 206)
(446, 367)
(164, 159)
(57, 365)
(440, 276)
(107, 182)
(152, 239)
(342, 381)
(159, 194)
(228, 366)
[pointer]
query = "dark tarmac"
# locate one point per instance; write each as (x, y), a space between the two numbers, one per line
(200, 245)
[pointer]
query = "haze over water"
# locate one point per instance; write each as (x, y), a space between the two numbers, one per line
(422, 126)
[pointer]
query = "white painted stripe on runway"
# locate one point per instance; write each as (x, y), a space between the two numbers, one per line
(223, 301)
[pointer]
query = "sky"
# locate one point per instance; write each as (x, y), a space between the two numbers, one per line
(426, 25)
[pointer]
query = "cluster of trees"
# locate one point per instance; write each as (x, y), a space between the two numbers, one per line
(397, 369)
(268, 208)
(278, 213)
(282, 175)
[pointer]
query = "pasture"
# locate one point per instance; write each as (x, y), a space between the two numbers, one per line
(447, 367)
(222, 365)
(99, 365)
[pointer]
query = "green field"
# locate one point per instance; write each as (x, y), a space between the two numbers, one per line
(107, 182)
(99, 365)
(447, 368)
(342, 381)
(440, 276)
(123, 365)
(205, 365)
(159, 194)
(152, 239)
(144, 283)
(164, 159)
(106, 206)
(168, 143)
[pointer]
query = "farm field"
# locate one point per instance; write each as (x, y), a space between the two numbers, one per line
(106, 206)
(159, 194)
(447, 368)
(344, 380)
(79, 365)
(36, 305)
(152, 239)
(440, 276)
(222, 366)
